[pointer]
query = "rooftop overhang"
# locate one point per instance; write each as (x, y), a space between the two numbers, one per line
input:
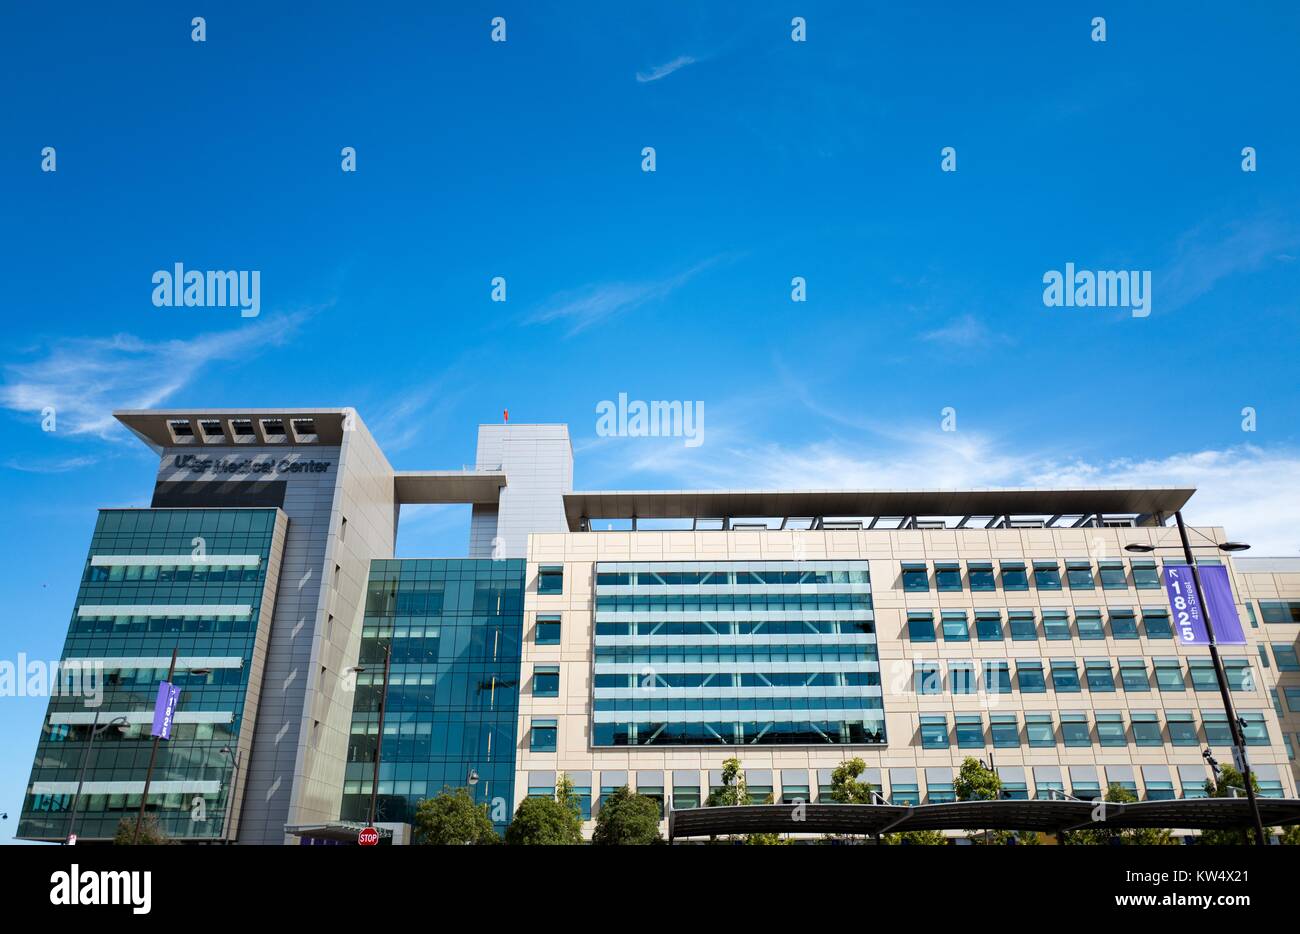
(688, 504)
(163, 428)
(449, 486)
(1051, 816)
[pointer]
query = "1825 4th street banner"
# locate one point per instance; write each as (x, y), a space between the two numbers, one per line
(1189, 616)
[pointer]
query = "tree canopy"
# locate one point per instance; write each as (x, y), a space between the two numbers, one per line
(627, 819)
(451, 818)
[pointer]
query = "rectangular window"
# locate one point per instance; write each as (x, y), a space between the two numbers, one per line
(947, 577)
(1169, 675)
(961, 676)
(1292, 699)
(1047, 575)
(1086, 791)
(970, 731)
(1065, 676)
(1110, 728)
(934, 732)
(1123, 624)
(1056, 625)
(1285, 657)
(1014, 576)
(928, 676)
(1022, 625)
(1145, 575)
(916, 578)
(1202, 672)
(955, 627)
(981, 576)
(1100, 677)
(920, 627)
(1146, 729)
(1079, 574)
(1156, 623)
(547, 630)
(1030, 676)
(1250, 613)
(686, 796)
(1280, 611)
(1133, 675)
(1088, 622)
(1160, 791)
(939, 792)
(905, 793)
(1038, 729)
(583, 794)
(1240, 677)
(1182, 728)
(546, 680)
(1254, 729)
(543, 736)
(1005, 730)
(1217, 732)
(997, 677)
(550, 579)
(794, 794)
(1074, 729)
(988, 625)
(1112, 575)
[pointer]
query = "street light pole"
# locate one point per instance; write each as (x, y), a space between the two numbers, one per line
(153, 756)
(95, 730)
(379, 740)
(1238, 740)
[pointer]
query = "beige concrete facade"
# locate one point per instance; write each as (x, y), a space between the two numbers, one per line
(887, 551)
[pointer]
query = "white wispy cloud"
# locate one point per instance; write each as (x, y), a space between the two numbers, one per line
(592, 304)
(51, 466)
(85, 378)
(664, 70)
(1209, 254)
(967, 332)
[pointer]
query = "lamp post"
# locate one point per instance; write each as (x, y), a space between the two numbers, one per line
(153, 757)
(379, 740)
(95, 730)
(235, 756)
(1234, 725)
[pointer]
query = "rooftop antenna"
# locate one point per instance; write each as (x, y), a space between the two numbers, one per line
(505, 413)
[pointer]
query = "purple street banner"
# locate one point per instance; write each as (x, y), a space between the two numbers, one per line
(1189, 617)
(164, 709)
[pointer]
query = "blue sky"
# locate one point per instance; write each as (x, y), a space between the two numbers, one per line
(775, 159)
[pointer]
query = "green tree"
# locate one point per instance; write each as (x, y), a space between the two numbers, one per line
(1291, 836)
(733, 791)
(1129, 836)
(1227, 784)
(915, 838)
(845, 787)
(977, 782)
(151, 833)
(451, 818)
(553, 821)
(627, 819)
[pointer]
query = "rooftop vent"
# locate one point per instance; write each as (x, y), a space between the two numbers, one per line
(273, 430)
(241, 431)
(304, 430)
(211, 429)
(182, 431)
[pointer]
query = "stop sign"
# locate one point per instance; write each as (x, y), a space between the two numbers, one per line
(368, 837)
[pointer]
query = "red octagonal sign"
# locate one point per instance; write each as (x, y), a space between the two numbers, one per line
(368, 837)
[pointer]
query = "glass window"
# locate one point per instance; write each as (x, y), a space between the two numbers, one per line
(583, 794)
(1156, 623)
(1110, 728)
(920, 627)
(1146, 729)
(794, 794)
(961, 676)
(904, 793)
(988, 625)
(981, 576)
(1145, 575)
(688, 796)
(546, 680)
(543, 736)
(1216, 728)
(970, 731)
(1065, 677)
(955, 627)
(1047, 575)
(1014, 576)
(1202, 672)
(1056, 625)
(1079, 574)
(1038, 729)
(1160, 791)
(1022, 625)
(1015, 791)
(1030, 676)
(1005, 730)
(1133, 675)
(997, 677)
(1254, 728)
(1123, 624)
(915, 578)
(1285, 656)
(1280, 611)
(940, 792)
(929, 678)
(1292, 699)
(1250, 613)
(934, 732)
(1182, 728)
(947, 577)
(1074, 729)
(1169, 675)
(550, 579)
(1086, 791)
(1088, 622)
(1240, 677)
(1112, 575)
(1100, 676)
(547, 630)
